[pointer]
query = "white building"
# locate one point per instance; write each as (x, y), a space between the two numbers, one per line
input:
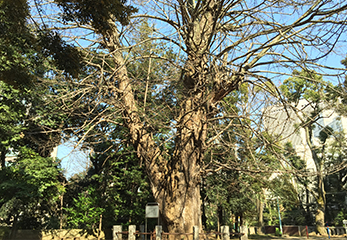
(284, 122)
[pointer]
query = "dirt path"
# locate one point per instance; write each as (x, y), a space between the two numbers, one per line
(271, 237)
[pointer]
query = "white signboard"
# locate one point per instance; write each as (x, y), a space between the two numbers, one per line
(152, 210)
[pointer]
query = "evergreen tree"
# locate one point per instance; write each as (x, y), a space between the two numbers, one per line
(31, 123)
(309, 86)
(29, 189)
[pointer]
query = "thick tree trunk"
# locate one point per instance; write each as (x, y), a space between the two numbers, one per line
(320, 221)
(182, 202)
(181, 207)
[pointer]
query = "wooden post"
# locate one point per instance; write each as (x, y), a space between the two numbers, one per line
(195, 233)
(225, 232)
(158, 231)
(100, 227)
(117, 229)
(132, 231)
(244, 231)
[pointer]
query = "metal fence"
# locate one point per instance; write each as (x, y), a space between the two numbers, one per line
(159, 234)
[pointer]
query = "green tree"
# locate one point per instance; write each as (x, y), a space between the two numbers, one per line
(310, 98)
(335, 183)
(304, 207)
(12, 111)
(31, 123)
(242, 166)
(29, 191)
(86, 211)
(30, 56)
(115, 187)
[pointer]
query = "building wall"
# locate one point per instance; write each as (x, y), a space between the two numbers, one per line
(284, 123)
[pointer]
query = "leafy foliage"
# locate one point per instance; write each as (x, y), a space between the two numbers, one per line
(86, 210)
(96, 12)
(29, 190)
(115, 187)
(320, 138)
(12, 111)
(17, 49)
(65, 57)
(26, 50)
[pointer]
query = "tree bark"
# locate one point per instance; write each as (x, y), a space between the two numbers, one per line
(260, 211)
(320, 215)
(321, 203)
(182, 202)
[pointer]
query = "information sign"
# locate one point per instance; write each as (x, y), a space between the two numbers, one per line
(152, 210)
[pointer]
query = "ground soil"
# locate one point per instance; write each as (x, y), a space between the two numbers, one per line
(272, 237)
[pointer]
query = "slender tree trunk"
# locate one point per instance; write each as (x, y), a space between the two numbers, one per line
(260, 211)
(3, 158)
(321, 203)
(319, 192)
(320, 198)
(203, 208)
(220, 217)
(307, 206)
(61, 197)
(14, 227)
(100, 227)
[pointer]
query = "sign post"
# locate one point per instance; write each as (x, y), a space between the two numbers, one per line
(279, 217)
(152, 211)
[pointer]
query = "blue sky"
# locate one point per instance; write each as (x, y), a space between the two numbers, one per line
(72, 160)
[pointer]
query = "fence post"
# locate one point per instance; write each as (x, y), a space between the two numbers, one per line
(158, 231)
(195, 233)
(132, 231)
(142, 230)
(225, 232)
(116, 232)
(244, 231)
